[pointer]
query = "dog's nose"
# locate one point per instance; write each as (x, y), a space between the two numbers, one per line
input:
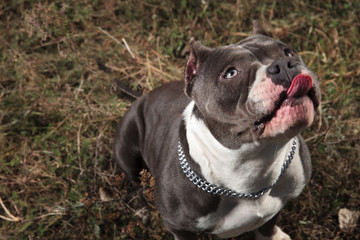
(281, 64)
(282, 71)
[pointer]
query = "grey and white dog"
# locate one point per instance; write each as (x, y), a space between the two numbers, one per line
(224, 145)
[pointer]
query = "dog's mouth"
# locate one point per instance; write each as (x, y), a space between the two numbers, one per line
(301, 86)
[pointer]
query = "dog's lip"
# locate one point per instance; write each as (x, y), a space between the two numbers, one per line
(301, 86)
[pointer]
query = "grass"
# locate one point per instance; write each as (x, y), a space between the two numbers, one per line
(59, 109)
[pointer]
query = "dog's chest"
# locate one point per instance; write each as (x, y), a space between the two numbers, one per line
(235, 216)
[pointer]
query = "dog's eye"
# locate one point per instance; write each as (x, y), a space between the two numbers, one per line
(230, 73)
(288, 53)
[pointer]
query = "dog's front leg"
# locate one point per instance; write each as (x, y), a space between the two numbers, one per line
(180, 234)
(278, 234)
(269, 231)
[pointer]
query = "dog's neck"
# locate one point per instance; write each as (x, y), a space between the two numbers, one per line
(253, 166)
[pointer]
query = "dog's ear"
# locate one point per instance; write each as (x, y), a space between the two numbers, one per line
(198, 55)
(258, 28)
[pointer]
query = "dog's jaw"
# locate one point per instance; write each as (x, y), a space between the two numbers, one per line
(283, 111)
(294, 115)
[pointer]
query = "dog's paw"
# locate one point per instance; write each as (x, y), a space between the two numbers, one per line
(278, 235)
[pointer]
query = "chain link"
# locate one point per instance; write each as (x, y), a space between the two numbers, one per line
(210, 188)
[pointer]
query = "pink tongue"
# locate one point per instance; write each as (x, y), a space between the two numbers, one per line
(300, 86)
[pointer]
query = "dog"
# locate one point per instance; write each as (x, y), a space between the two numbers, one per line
(224, 145)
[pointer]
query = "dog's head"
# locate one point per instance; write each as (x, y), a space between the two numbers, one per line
(254, 90)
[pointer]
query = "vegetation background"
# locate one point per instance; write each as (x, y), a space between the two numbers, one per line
(59, 107)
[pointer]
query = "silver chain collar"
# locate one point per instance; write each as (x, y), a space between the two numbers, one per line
(210, 188)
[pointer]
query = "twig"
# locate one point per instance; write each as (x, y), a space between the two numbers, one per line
(117, 41)
(127, 47)
(109, 35)
(150, 82)
(128, 92)
(79, 146)
(11, 217)
(80, 86)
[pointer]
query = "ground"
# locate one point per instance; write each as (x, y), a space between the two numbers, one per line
(59, 107)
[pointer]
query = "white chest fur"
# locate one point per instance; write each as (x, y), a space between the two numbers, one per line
(249, 169)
